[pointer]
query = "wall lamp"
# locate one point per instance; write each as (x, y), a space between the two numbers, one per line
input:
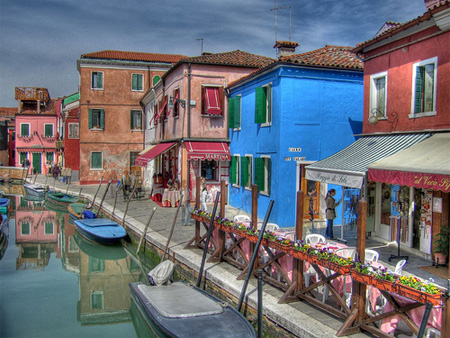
(171, 99)
(376, 113)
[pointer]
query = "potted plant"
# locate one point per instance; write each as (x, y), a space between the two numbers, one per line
(441, 243)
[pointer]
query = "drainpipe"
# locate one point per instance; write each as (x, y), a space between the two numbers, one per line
(189, 102)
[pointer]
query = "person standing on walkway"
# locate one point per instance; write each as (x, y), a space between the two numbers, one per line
(126, 183)
(331, 212)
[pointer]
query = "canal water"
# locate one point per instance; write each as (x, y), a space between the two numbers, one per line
(53, 283)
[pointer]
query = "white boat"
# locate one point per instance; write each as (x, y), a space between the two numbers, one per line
(34, 189)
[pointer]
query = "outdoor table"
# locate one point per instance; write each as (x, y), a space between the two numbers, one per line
(171, 198)
(157, 192)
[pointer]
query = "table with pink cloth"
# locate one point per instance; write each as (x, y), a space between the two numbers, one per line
(171, 198)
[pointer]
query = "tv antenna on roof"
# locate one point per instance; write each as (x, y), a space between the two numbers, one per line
(201, 39)
(276, 19)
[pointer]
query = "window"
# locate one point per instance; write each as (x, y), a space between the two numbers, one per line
(262, 174)
(96, 160)
(208, 169)
(49, 228)
(263, 105)
(378, 94)
(48, 130)
(74, 130)
(136, 82)
(25, 129)
(212, 101)
(97, 80)
(246, 171)
(424, 87)
(136, 120)
(155, 115)
(49, 157)
(234, 112)
(133, 156)
(22, 156)
(97, 299)
(96, 265)
(234, 170)
(96, 119)
(156, 79)
(176, 103)
(25, 228)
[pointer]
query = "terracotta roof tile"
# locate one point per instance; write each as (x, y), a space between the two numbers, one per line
(133, 56)
(234, 58)
(8, 112)
(328, 56)
(49, 109)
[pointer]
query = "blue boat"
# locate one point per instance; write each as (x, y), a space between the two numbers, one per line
(101, 230)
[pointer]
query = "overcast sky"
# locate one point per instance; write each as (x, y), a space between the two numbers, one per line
(41, 40)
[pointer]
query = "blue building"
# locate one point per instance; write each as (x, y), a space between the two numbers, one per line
(298, 110)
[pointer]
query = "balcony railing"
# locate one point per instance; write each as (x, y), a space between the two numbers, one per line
(32, 94)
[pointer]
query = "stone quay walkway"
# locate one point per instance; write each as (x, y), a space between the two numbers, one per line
(298, 318)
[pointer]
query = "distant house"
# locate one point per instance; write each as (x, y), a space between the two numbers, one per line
(7, 135)
(285, 116)
(187, 118)
(70, 113)
(111, 119)
(36, 128)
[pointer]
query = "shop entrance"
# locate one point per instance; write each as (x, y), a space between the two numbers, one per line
(422, 235)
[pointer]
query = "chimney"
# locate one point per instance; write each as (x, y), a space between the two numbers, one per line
(285, 48)
(429, 4)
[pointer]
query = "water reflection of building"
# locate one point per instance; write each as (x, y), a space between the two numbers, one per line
(36, 233)
(70, 252)
(105, 272)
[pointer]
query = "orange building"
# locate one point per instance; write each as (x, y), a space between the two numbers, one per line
(111, 119)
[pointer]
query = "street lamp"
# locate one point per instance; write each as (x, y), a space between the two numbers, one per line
(376, 113)
(182, 102)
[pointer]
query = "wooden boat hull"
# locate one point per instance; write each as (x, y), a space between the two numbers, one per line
(34, 189)
(61, 198)
(182, 310)
(100, 230)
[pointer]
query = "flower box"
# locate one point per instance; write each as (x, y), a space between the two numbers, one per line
(278, 246)
(299, 254)
(362, 277)
(417, 295)
(384, 285)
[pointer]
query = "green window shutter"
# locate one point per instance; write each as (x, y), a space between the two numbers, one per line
(131, 120)
(269, 174)
(156, 79)
(237, 112)
(260, 105)
(23, 130)
(233, 170)
(139, 82)
(48, 132)
(134, 82)
(100, 80)
(90, 118)
(418, 90)
(259, 173)
(96, 160)
(102, 119)
(244, 171)
(231, 101)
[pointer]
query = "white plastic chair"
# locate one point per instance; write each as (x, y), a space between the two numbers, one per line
(371, 255)
(272, 227)
(399, 266)
(314, 239)
(241, 218)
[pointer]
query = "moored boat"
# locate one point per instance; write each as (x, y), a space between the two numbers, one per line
(61, 198)
(183, 310)
(100, 230)
(80, 210)
(34, 189)
(4, 234)
(4, 202)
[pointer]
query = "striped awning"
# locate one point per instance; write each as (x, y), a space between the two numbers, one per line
(348, 167)
(36, 150)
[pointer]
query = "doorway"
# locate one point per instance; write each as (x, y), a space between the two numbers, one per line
(37, 163)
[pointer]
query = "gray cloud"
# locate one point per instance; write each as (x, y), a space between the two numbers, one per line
(40, 41)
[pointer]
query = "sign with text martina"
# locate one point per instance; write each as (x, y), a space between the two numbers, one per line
(411, 179)
(346, 179)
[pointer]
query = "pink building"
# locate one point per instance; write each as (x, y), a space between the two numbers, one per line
(36, 128)
(187, 117)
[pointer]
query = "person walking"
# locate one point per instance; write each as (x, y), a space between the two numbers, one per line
(331, 212)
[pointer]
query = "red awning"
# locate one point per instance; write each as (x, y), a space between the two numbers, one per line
(411, 179)
(152, 153)
(212, 101)
(36, 150)
(208, 151)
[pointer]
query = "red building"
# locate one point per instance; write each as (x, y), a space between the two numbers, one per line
(71, 133)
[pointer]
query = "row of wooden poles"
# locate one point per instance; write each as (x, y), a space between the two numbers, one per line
(355, 321)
